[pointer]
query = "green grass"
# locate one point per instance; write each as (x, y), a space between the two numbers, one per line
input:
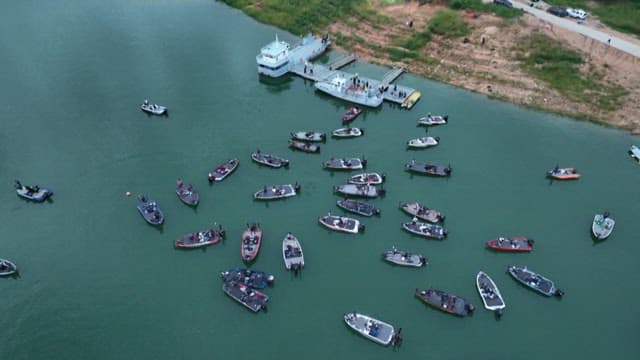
(477, 5)
(622, 15)
(448, 23)
(548, 61)
(417, 40)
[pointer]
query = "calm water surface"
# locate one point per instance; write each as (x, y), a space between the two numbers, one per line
(97, 282)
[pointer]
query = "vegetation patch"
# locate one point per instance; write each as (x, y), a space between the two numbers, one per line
(448, 23)
(477, 5)
(417, 40)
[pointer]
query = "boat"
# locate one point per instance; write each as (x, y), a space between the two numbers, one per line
(489, 293)
(411, 100)
(347, 132)
(358, 207)
(252, 278)
(312, 136)
(276, 58)
(422, 212)
(634, 152)
(154, 109)
(404, 258)
(351, 114)
(277, 192)
(269, 160)
(424, 229)
(446, 302)
(251, 241)
(602, 225)
(366, 190)
(340, 223)
(33, 193)
(371, 328)
(433, 120)
(367, 178)
(224, 170)
(344, 164)
(304, 146)
(428, 169)
(150, 210)
(200, 238)
(7, 267)
(252, 299)
(423, 142)
(559, 173)
(187, 194)
(534, 281)
(511, 244)
(350, 89)
(292, 253)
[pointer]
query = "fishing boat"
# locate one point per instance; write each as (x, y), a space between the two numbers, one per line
(446, 302)
(511, 244)
(269, 160)
(304, 146)
(224, 170)
(33, 193)
(150, 210)
(368, 191)
(200, 238)
(534, 281)
(422, 212)
(424, 229)
(410, 100)
(277, 192)
(154, 109)
(423, 142)
(252, 278)
(634, 152)
(559, 173)
(430, 120)
(428, 169)
(7, 267)
(188, 194)
(338, 85)
(371, 328)
(344, 164)
(252, 299)
(489, 293)
(340, 223)
(358, 207)
(251, 241)
(351, 114)
(312, 136)
(292, 253)
(602, 225)
(367, 178)
(404, 258)
(348, 132)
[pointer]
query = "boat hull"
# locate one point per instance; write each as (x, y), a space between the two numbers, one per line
(367, 178)
(292, 253)
(304, 146)
(276, 192)
(200, 239)
(7, 267)
(511, 244)
(489, 293)
(445, 302)
(269, 160)
(426, 230)
(404, 258)
(602, 226)
(422, 212)
(342, 224)
(372, 329)
(253, 300)
(533, 281)
(344, 164)
(358, 207)
(250, 244)
(224, 170)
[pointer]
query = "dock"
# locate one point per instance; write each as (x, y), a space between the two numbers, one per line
(343, 61)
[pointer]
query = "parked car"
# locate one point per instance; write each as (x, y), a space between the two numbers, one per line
(506, 3)
(577, 13)
(557, 11)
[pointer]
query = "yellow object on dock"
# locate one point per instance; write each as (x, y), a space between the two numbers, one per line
(411, 100)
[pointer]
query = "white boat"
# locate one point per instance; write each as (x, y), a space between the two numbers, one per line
(602, 225)
(489, 293)
(341, 223)
(350, 90)
(635, 153)
(423, 142)
(153, 108)
(348, 132)
(275, 59)
(277, 192)
(433, 120)
(7, 267)
(366, 190)
(404, 258)
(371, 328)
(292, 253)
(367, 178)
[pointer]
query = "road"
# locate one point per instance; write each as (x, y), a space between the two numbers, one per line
(571, 24)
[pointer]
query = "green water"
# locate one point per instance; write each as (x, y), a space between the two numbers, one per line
(96, 282)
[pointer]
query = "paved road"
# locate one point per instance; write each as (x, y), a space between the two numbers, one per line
(570, 24)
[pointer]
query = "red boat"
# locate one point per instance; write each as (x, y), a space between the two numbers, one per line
(511, 244)
(351, 114)
(251, 240)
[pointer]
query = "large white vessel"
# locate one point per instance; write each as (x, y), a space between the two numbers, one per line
(351, 89)
(275, 59)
